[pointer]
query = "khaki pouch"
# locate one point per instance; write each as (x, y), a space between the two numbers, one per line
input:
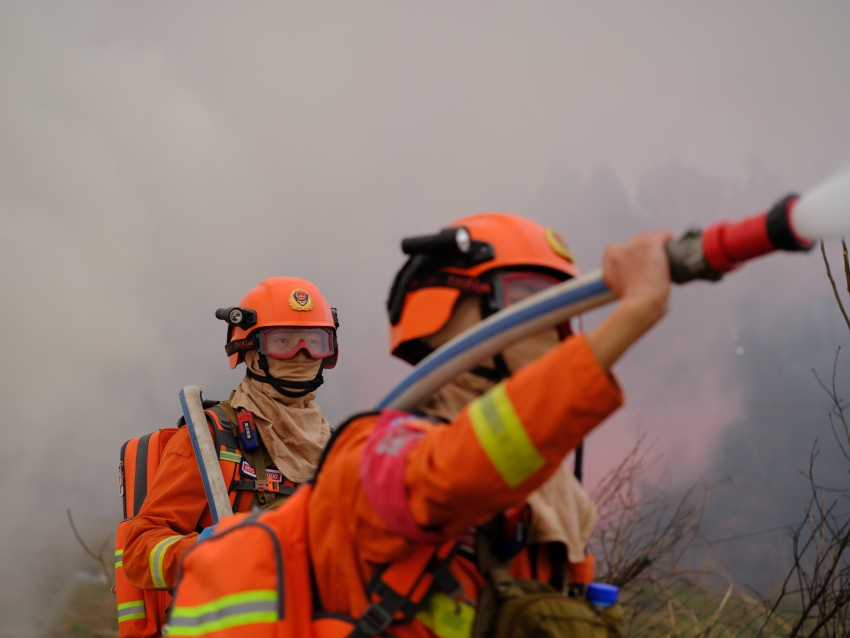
(553, 615)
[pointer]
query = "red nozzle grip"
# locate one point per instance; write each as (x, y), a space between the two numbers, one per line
(727, 245)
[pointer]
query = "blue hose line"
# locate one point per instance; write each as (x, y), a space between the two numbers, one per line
(205, 479)
(546, 309)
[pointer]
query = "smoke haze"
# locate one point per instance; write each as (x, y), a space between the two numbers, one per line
(158, 159)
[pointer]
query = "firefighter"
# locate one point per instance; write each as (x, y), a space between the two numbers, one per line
(383, 535)
(285, 332)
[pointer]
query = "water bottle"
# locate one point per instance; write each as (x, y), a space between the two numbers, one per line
(602, 594)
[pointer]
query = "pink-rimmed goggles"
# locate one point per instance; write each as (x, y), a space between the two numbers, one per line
(284, 342)
(512, 287)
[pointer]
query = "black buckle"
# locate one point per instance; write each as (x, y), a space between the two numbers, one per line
(374, 620)
(447, 582)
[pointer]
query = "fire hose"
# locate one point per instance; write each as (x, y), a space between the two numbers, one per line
(793, 224)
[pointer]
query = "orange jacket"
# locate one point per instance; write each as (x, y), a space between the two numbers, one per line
(393, 485)
(173, 513)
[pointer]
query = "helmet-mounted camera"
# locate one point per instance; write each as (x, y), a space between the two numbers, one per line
(450, 248)
(449, 241)
(237, 317)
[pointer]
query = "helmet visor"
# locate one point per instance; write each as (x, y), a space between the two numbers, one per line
(286, 342)
(512, 287)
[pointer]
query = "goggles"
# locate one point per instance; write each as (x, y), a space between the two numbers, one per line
(286, 342)
(512, 287)
(498, 292)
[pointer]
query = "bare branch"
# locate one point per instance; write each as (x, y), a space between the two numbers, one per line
(834, 288)
(97, 557)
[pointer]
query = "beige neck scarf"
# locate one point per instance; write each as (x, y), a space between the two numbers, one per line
(447, 402)
(294, 431)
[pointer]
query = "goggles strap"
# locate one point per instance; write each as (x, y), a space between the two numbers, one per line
(421, 272)
(442, 279)
(241, 345)
(302, 388)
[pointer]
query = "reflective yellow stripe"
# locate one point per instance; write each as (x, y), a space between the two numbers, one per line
(503, 437)
(447, 617)
(234, 610)
(131, 610)
(226, 455)
(119, 558)
(157, 557)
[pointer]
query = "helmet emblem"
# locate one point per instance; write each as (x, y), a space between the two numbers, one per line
(300, 300)
(553, 238)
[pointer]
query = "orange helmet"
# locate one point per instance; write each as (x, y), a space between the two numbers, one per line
(460, 259)
(278, 302)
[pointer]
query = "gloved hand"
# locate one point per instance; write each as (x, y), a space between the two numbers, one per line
(206, 533)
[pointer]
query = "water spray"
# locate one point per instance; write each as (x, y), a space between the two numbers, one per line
(794, 224)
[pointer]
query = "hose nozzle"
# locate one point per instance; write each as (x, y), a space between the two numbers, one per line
(725, 246)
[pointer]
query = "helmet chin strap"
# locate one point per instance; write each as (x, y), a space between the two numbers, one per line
(498, 373)
(302, 388)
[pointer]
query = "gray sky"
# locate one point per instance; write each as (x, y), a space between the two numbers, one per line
(158, 159)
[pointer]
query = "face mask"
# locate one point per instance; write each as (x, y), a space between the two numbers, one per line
(292, 378)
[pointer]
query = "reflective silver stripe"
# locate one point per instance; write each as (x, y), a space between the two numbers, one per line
(219, 614)
(157, 556)
(131, 611)
(244, 608)
(229, 456)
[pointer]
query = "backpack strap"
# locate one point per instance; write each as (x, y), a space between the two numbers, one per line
(499, 584)
(399, 591)
(228, 446)
(267, 491)
(140, 487)
(271, 486)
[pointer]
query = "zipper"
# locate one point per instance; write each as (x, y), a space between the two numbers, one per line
(121, 483)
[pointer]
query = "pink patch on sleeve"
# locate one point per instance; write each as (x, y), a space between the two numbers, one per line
(382, 472)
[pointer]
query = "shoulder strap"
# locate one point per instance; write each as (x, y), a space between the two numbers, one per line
(399, 591)
(140, 487)
(257, 458)
(226, 442)
(227, 446)
(499, 585)
(225, 410)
